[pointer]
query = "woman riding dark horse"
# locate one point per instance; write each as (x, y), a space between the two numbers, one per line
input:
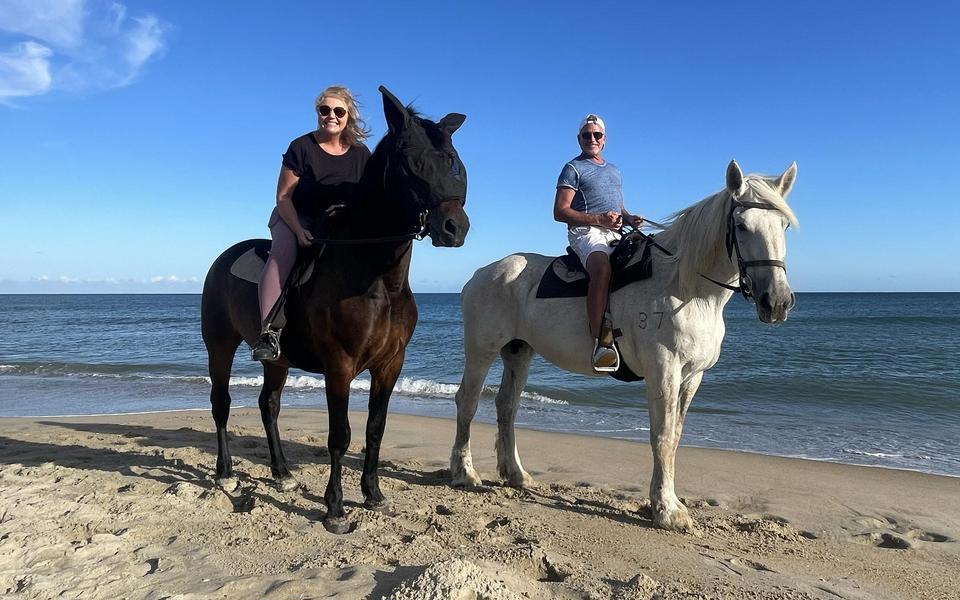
(318, 169)
(354, 311)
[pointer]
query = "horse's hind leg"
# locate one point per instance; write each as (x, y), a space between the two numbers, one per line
(476, 365)
(516, 366)
(220, 363)
(274, 377)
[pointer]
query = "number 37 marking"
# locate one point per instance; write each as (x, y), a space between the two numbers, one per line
(655, 317)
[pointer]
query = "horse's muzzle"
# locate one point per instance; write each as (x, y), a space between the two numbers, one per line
(774, 308)
(448, 224)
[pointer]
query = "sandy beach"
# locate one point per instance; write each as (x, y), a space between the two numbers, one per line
(125, 507)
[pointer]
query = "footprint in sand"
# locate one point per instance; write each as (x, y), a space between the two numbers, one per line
(737, 565)
(751, 564)
(928, 536)
(898, 536)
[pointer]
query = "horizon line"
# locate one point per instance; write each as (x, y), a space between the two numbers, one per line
(445, 293)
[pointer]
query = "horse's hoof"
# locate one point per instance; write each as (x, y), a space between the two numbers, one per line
(338, 526)
(675, 520)
(380, 506)
(227, 484)
(466, 479)
(287, 483)
(373, 501)
(521, 481)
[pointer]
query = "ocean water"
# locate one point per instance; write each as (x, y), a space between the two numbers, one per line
(867, 378)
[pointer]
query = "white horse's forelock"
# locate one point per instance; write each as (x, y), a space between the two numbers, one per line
(698, 233)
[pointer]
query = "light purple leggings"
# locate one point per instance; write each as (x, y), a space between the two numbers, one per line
(283, 251)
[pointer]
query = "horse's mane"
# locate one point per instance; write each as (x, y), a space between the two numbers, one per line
(697, 234)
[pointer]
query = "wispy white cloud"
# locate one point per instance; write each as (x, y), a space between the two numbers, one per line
(67, 284)
(158, 279)
(25, 70)
(144, 41)
(56, 22)
(75, 45)
(173, 279)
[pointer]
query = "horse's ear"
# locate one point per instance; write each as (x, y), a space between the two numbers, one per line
(395, 112)
(451, 122)
(734, 177)
(785, 183)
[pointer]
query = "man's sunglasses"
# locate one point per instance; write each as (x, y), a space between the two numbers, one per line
(324, 111)
(585, 135)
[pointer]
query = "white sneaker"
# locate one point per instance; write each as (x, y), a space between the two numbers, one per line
(605, 359)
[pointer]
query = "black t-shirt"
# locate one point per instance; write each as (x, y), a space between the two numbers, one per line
(325, 179)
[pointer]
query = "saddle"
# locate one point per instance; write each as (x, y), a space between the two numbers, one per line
(565, 277)
(249, 265)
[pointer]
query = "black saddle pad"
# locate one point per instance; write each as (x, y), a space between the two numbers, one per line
(566, 278)
(249, 265)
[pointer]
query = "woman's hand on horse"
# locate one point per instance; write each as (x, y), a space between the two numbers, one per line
(304, 238)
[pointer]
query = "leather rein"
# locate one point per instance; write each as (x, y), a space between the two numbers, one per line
(418, 235)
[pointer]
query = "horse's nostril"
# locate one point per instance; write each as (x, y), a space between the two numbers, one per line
(765, 302)
(450, 226)
(793, 300)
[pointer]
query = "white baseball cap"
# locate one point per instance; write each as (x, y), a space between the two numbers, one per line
(592, 118)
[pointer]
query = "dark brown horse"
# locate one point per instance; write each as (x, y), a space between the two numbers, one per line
(356, 311)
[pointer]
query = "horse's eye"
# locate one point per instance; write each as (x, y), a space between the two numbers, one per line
(741, 226)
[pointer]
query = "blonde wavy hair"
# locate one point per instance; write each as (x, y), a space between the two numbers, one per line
(356, 130)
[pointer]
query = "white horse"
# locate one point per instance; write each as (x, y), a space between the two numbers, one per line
(672, 323)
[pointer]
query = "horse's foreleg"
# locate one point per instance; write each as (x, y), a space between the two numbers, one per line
(338, 440)
(382, 381)
(476, 365)
(516, 366)
(687, 390)
(664, 407)
(274, 377)
(219, 363)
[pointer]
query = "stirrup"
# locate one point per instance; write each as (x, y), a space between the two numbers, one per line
(267, 347)
(605, 359)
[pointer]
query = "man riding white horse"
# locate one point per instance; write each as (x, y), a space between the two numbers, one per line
(671, 322)
(590, 201)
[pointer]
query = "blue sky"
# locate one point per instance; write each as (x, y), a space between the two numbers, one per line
(139, 140)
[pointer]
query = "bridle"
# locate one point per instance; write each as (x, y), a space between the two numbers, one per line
(745, 283)
(419, 234)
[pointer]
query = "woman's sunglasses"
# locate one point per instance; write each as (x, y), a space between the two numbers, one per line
(586, 135)
(339, 111)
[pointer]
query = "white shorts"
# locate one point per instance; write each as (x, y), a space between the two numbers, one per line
(587, 239)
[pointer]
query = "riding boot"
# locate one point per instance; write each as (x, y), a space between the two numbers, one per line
(268, 346)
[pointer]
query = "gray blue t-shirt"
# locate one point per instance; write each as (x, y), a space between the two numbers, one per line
(599, 186)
